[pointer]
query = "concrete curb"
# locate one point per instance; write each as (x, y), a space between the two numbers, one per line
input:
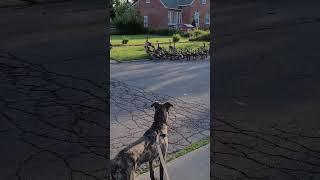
(129, 61)
(151, 60)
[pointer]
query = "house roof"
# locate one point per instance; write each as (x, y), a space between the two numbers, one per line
(185, 2)
(170, 3)
(176, 3)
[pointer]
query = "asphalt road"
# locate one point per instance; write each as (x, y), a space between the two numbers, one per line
(266, 74)
(184, 84)
(52, 58)
(52, 68)
(188, 81)
(266, 71)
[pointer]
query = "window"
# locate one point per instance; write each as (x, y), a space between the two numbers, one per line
(147, 1)
(145, 21)
(174, 17)
(203, 1)
(179, 14)
(197, 18)
(207, 19)
(170, 17)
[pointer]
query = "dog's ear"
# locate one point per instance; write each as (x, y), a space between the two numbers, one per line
(154, 104)
(168, 105)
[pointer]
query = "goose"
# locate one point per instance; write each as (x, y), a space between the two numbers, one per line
(170, 47)
(160, 48)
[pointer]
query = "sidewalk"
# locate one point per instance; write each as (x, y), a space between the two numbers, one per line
(194, 165)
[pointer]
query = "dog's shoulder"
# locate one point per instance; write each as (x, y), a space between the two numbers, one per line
(150, 134)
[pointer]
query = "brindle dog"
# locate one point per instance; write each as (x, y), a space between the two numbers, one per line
(144, 149)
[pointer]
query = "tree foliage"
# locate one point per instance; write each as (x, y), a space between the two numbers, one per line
(127, 19)
(112, 5)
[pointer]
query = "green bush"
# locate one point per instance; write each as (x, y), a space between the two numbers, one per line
(176, 38)
(197, 32)
(205, 37)
(125, 40)
(199, 35)
(185, 34)
(163, 32)
(150, 31)
(168, 32)
(127, 20)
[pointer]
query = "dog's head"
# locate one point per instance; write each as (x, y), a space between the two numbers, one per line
(161, 111)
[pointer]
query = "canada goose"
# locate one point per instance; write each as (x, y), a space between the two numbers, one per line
(170, 47)
(159, 48)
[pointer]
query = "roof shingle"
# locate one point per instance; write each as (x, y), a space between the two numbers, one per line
(170, 3)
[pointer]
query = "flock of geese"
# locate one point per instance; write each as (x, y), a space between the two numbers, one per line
(159, 53)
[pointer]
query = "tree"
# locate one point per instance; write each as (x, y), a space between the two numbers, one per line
(127, 20)
(193, 22)
(175, 39)
(112, 5)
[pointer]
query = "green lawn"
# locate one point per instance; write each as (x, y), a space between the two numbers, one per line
(141, 39)
(124, 53)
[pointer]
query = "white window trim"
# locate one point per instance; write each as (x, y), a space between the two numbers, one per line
(203, 2)
(179, 14)
(197, 17)
(170, 17)
(145, 21)
(207, 17)
(148, 1)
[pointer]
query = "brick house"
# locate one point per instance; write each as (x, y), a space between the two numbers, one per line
(168, 13)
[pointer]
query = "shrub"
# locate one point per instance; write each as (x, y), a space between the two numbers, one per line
(150, 31)
(204, 37)
(199, 35)
(127, 20)
(166, 32)
(185, 34)
(163, 32)
(197, 32)
(176, 38)
(125, 40)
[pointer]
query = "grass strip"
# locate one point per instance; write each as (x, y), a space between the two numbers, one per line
(127, 53)
(192, 147)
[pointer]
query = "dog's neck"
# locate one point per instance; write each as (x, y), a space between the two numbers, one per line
(159, 125)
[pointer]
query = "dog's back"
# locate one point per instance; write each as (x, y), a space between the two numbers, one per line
(128, 159)
(144, 149)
